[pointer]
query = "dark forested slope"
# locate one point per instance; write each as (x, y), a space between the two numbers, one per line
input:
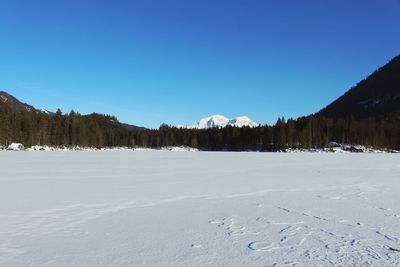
(376, 96)
(14, 102)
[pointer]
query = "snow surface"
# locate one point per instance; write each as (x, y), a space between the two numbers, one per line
(220, 121)
(142, 208)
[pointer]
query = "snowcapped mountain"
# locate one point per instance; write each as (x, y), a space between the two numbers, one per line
(220, 122)
(212, 121)
(242, 121)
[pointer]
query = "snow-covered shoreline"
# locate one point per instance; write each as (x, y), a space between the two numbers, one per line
(333, 148)
(20, 147)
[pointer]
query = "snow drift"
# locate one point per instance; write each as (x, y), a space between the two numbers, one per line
(16, 147)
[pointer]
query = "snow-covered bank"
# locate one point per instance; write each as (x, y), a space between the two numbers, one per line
(15, 147)
(332, 147)
(20, 147)
(343, 148)
(199, 209)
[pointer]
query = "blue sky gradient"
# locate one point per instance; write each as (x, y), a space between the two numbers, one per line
(176, 61)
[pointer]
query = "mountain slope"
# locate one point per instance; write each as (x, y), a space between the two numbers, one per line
(376, 96)
(14, 102)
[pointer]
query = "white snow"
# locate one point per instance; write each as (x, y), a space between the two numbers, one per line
(242, 121)
(343, 148)
(77, 148)
(213, 121)
(40, 148)
(220, 121)
(134, 208)
(44, 111)
(169, 148)
(16, 147)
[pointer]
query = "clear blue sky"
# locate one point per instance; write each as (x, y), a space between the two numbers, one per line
(176, 61)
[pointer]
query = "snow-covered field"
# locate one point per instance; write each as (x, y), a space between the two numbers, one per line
(149, 208)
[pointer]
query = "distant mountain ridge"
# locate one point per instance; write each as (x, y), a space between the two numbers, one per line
(220, 121)
(376, 96)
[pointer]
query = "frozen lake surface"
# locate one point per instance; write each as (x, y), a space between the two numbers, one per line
(124, 208)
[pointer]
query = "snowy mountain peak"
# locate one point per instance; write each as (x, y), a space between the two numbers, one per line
(242, 121)
(221, 121)
(213, 121)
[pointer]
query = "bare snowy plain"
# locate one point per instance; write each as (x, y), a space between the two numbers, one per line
(147, 208)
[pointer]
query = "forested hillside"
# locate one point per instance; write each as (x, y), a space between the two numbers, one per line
(376, 96)
(36, 128)
(96, 130)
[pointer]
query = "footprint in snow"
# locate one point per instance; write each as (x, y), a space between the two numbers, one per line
(385, 209)
(261, 246)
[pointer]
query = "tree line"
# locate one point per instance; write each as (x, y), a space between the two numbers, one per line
(98, 130)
